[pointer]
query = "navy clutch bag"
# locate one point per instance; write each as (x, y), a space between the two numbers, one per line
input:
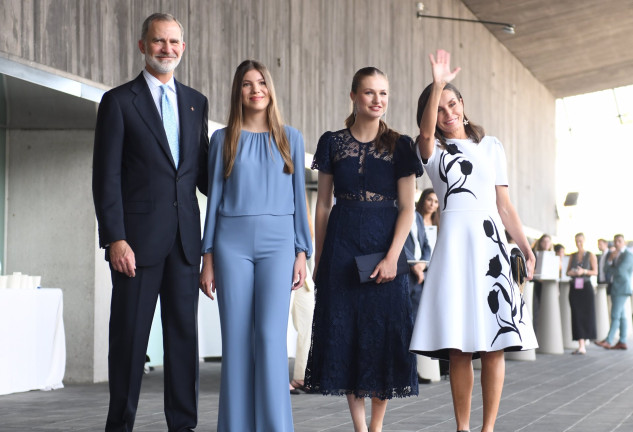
(367, 263)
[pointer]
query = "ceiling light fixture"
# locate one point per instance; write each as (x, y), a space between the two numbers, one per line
(508, 28)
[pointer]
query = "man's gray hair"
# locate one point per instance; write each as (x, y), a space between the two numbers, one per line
(160, 17)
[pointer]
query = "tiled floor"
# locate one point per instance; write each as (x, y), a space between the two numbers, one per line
(555, 393)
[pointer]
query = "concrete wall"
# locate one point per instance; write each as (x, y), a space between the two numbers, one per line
(312, 47)
(50, 227)
(3, 154)
(50, 222)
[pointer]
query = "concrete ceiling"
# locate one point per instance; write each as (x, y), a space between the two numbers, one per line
(33, 106)
(571, 46)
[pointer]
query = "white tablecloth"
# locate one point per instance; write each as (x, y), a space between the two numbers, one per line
(32, 340)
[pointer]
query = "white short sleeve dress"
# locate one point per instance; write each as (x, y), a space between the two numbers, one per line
(469, 301)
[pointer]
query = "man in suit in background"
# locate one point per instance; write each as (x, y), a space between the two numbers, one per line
(150, 149)
(603, 246)
(619, 268)
(416, 248)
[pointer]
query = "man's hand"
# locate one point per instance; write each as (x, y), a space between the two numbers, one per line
(122, 258)
(418, 271)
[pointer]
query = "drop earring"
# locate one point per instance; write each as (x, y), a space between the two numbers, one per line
(354, 110)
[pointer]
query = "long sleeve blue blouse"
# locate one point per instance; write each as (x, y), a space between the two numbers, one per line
(257, 184)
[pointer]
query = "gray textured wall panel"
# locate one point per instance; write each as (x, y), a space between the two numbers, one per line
(51, 228)
(312, 48)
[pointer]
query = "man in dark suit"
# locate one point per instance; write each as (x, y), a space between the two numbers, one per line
(603, 247)
(416, 248)
(150, 149)
(618, 269)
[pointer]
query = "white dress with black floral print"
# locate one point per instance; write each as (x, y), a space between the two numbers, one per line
(469, 301)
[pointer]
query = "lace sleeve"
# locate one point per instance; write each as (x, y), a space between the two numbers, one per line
(322, 158)
(405, 158)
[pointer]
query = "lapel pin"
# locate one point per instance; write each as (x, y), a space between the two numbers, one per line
(192, 109)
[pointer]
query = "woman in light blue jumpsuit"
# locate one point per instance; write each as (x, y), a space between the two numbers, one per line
(256, 242)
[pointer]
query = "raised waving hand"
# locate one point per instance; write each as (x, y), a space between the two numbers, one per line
(442, 75)
(441, 67)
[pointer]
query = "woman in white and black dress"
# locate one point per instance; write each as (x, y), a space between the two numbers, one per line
(470, 306)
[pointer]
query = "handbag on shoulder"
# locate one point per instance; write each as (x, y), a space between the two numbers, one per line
(519, 268)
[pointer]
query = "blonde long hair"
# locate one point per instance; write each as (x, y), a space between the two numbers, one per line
(236, 116)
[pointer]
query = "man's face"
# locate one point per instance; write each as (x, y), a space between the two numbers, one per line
(163, 47)
(618, 242)
(602, 245)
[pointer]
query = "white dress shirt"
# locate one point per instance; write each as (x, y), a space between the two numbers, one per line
(603, 261)
(417, 249)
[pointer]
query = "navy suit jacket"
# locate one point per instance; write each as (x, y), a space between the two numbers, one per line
(138, 193)
(409, 245)
(620, 274)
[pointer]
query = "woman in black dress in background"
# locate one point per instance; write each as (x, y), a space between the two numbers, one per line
(582, 265)
(361, 332)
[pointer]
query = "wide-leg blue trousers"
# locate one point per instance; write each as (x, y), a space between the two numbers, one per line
(253, 263)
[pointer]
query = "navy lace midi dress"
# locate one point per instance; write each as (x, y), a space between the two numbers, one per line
(361, 332)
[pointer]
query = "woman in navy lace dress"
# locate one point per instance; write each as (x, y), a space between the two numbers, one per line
(361, 332)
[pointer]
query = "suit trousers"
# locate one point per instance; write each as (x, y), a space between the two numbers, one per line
(618, 318)
(253, 263)
(132, 310)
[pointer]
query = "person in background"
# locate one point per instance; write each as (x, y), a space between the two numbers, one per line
(603, 247)
(428, 207)
(619, 268)
(417, 249)
(361, 330)
(470, 306)
(582, 265)
(544, 243)
(559, 250)
(302, 310)
(150, 150)
(256, 242)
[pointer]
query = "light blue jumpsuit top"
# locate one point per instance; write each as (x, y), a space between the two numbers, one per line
(257, 185)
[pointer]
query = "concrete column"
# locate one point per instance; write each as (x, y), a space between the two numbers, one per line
(549, 331)
(565, 316)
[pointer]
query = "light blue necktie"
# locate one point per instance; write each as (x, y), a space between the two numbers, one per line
(170, 123)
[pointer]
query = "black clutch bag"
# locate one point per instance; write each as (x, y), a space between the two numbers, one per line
(519, 268)
(367, 263)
